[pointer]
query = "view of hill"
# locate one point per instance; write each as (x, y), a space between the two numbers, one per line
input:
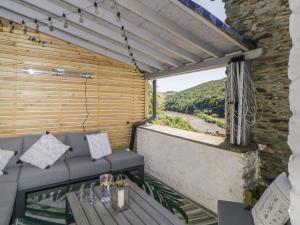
(208, 98)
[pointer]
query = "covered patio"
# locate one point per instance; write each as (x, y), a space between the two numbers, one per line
(77, 72)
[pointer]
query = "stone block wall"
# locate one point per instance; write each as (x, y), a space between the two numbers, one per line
(267, 22)
(294, 129)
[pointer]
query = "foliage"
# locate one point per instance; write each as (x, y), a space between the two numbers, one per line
(208, 98)
(174, 121)
(159, 100)
(212, 119)
(166, 196)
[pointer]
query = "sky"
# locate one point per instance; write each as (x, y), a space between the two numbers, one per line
(179, 83)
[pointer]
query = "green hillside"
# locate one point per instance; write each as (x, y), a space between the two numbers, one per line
(208, 98)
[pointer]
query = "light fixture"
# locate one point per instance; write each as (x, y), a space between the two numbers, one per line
(80, 16)
(65, 21)
(24, 27)
(50, 24)
(96, 8)
(58, 72)
(37, 26)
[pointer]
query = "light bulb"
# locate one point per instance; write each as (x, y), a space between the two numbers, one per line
(24, 27)
(112, 4)
(50, 24)
(96, 8)
(11, 26)
(37, 26)
(65, 21)
(80, 16)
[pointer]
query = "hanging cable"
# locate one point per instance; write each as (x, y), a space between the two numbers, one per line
(86, 106)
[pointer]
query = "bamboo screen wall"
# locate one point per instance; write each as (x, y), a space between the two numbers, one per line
(31, 104)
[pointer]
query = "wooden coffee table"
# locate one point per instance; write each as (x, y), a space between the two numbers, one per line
(142, 210)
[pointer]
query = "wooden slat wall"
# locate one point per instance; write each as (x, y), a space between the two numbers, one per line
(32, 104)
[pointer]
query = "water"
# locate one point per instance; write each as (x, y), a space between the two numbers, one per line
(48, 207)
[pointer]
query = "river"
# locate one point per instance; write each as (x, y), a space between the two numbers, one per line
(198, 123)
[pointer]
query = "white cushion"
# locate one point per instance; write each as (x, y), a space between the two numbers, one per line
(99, 145)
(44, 152)
(272, 207)
(5, 156)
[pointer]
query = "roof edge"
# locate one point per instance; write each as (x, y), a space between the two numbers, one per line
(204, 13)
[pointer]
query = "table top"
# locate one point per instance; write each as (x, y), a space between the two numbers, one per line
(143, 209)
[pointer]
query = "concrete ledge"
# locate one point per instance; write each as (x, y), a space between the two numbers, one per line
(206, 139)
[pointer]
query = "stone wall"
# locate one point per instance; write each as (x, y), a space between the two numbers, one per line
(294, 134)
(267, 22)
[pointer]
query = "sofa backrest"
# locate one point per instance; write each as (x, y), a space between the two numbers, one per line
(78, 143)
(28, 141)
(13, 144)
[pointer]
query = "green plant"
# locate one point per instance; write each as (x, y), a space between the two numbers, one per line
(211, 119)
(175, 122)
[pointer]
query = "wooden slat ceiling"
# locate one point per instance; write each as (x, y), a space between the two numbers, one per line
(164, 35)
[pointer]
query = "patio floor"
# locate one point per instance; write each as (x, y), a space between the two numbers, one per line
(48, 207)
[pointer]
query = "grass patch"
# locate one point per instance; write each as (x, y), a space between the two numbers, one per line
(211, 119)
(175, 122)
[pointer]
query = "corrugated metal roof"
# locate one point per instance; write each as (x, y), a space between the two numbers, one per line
(164, 35)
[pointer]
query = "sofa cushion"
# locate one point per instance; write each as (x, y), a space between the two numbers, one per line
(124, 159)
(45, 151)
(99, 145)
(5, 215)
(28, 141)
(232, 213)
(78, 143)
(5, 157)
(31, 176)
(12, 174)
(7, 200)
(13, 144)
(273, 205)
(83, 166)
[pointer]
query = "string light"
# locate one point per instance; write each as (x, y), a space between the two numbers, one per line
(65, 21)
(96, 8)
(24, 27)
(124, 35)
(11, 26)
(50, 24)
(37, 26)
(80, 16)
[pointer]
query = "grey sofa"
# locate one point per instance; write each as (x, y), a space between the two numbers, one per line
(233, 213)
(76, 165)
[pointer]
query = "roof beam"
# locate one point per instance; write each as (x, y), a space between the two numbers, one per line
(57, 8)
(153, 17)
(136, 31)
(35, 12)
(16, 17)
(205, 65)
